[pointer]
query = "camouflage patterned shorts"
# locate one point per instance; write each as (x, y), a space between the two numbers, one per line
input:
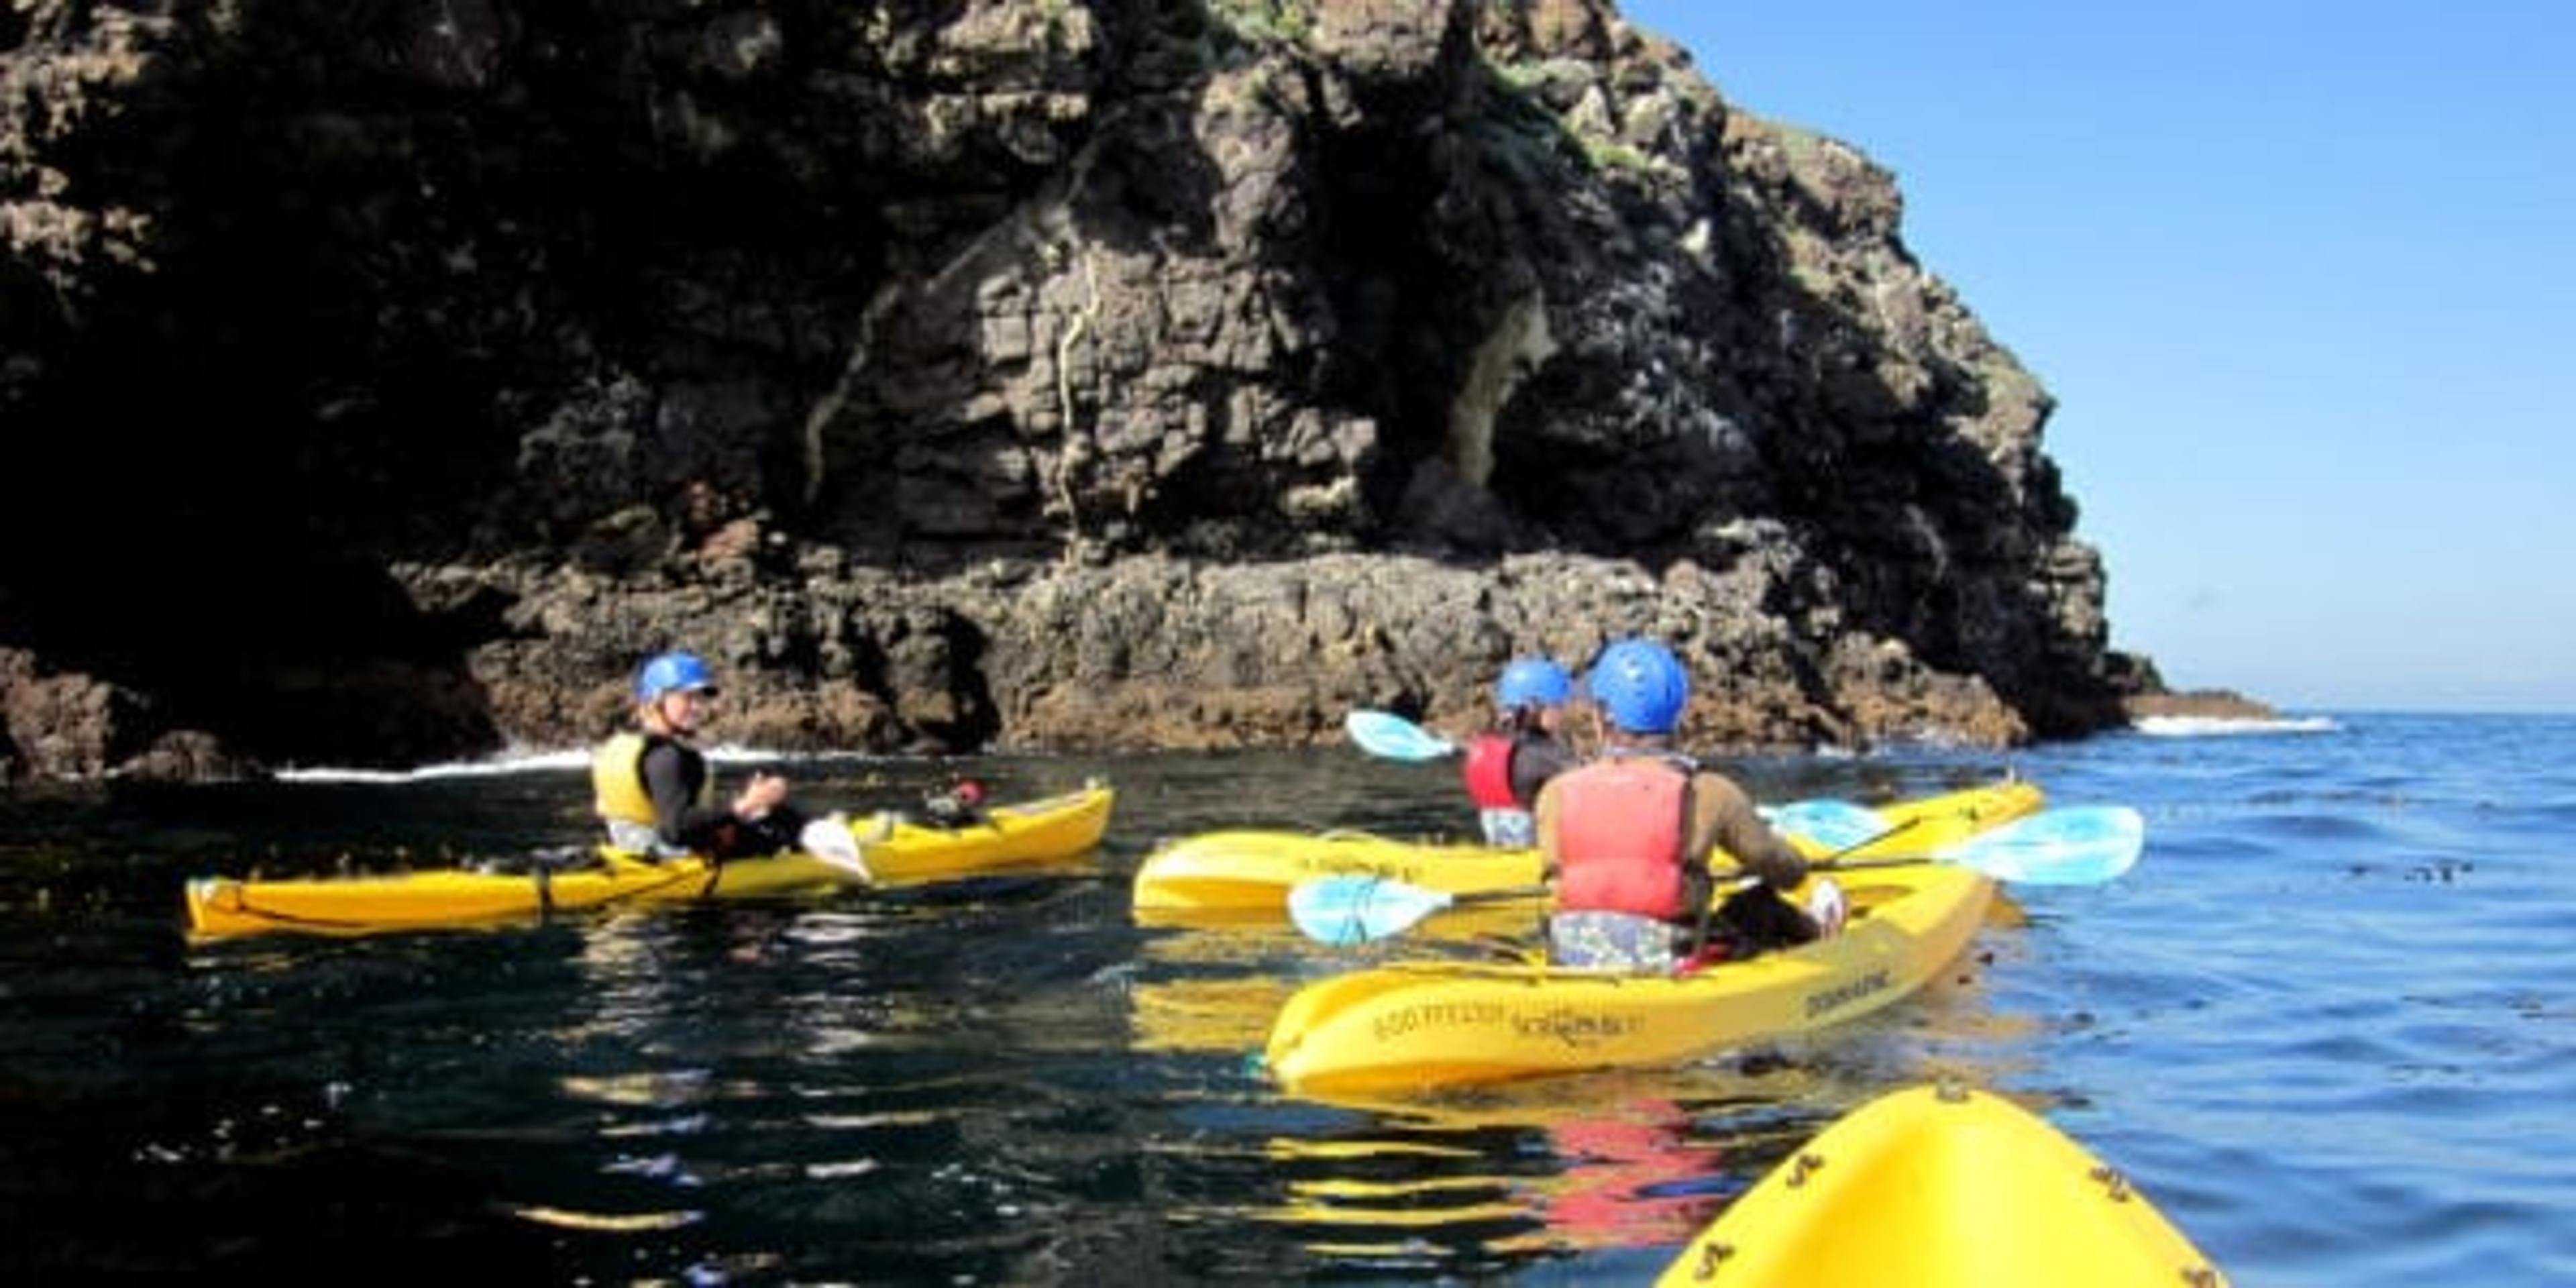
(1508, 829)
(1615, 940)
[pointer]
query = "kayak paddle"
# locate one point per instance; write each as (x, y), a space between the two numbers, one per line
(2069, 845)
(2065, 846)
(842, 844)
(1384, 733)
(1355, 908)
(1833, 824)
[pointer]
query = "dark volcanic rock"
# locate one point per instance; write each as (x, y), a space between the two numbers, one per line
(1079, 375)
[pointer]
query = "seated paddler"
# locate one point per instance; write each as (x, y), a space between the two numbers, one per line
(1629, 839)
(1507, 764)
(654, 790)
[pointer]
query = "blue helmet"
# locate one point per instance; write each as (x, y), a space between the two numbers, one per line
(1640, 685)
(1533, 682)
(667, 671)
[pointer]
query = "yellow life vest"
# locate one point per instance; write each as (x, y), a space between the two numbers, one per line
(617, 780)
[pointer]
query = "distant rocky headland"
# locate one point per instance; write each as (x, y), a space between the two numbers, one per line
(387, 379)
(2203, 704)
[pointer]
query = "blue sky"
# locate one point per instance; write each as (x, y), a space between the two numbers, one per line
(2302, 276)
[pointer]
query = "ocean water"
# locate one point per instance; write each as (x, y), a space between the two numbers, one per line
(2328, 1024)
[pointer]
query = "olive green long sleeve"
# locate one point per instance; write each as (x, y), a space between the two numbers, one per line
(1723, 819)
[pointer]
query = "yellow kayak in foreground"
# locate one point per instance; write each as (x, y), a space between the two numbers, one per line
(1009, 838)
(1246, 874)
(1399, 1028)
(1942, 1188)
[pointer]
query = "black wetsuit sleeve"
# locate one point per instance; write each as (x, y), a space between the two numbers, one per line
(1534, 761)
(672, 777)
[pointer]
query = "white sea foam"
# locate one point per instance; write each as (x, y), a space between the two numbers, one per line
(2221, 726)
(517, 761)
(528, 760)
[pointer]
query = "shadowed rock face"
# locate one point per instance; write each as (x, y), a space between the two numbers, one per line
(1047, 373)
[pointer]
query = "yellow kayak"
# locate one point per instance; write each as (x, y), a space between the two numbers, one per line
(1940, 1187)
(1011, 837)
(1245, 875)
(1410, 1026)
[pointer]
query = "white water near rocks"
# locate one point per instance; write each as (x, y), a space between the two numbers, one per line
(2325, 1024)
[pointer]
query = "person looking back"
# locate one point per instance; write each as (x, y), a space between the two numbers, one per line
(1506, 765)
(1628, 839)
(652, 788)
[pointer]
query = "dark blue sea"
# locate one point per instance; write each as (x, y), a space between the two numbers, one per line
(2327, 1024)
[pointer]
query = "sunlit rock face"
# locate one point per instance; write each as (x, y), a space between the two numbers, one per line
(1083, 376)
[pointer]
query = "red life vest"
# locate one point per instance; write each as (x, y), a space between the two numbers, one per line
(1619, 838)
(1488, 771)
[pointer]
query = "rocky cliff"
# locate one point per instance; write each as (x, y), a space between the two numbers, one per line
(385, 379)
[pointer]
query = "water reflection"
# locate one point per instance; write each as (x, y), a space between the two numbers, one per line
(998, 1081)
(1482, 1180)
(1479, 1183)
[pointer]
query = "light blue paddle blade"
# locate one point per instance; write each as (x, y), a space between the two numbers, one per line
(1357, 908)
(2072, 845)
(1832, 824)
(1384, 733)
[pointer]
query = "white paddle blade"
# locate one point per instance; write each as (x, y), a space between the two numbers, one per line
(833, 840)
(1831, 824)
(1384, 733)
(1354, 909)
(2071, 845)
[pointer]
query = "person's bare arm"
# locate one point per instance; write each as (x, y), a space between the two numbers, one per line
(1726, 820)
(1543, 819)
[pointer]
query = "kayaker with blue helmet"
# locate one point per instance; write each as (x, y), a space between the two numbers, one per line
(1628, 838)
(1506, 765)
(652, 786)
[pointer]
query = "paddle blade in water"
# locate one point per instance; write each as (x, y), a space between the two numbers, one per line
(1357, 908)
(2072, 845)
(1384, 733)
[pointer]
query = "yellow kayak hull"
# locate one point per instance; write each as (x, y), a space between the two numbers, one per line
(1926, 823)
(1245, 875)
(1013, 837)
(1942, 1188)
(1398, 1028)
